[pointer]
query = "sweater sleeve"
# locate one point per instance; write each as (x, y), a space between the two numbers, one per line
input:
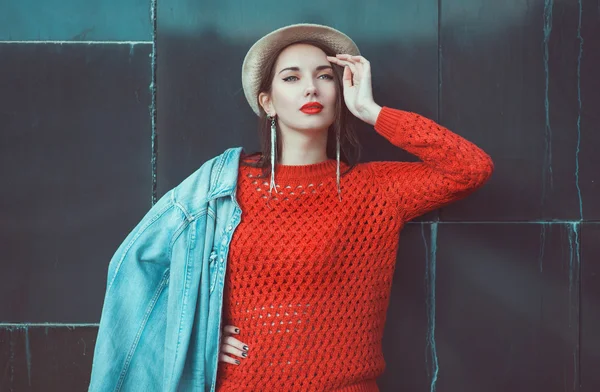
(451, 167)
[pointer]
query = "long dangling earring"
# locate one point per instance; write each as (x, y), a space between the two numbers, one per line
(273, 151)
(337, 136)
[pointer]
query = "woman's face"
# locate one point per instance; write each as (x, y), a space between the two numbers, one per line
(303, 74)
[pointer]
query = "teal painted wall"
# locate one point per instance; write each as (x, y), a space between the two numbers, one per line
(75, 20)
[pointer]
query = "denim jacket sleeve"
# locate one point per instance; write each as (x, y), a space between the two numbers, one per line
(133, 319)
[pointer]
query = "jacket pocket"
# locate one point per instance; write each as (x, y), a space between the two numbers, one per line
(212, 269)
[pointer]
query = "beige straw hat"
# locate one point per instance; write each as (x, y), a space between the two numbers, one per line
(282, 37)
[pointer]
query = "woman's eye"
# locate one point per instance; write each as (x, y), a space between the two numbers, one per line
(327, 76)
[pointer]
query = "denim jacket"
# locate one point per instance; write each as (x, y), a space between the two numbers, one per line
(160, 328)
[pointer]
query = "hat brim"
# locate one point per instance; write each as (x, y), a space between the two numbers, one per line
(263, 48)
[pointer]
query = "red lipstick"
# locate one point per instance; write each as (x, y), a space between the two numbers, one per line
(312, 108)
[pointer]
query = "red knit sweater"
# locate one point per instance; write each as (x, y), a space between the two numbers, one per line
(308, 280)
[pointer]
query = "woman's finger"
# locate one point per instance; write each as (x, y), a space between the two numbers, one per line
(361, 59)
(230, 340)
(350, 64)
(359, 62)
(228, 359)
(365, 65)
(347, 78)
(230, 329)
(227, 349)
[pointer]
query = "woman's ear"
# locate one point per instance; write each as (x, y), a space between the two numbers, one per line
(265, 101)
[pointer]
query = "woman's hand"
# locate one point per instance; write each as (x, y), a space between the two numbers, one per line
(358, 93)
(231, 345)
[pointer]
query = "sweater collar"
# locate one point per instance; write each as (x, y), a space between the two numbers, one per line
(311, 171)
(226, 169)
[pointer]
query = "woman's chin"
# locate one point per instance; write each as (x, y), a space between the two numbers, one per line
(313, 123)
(313, 127)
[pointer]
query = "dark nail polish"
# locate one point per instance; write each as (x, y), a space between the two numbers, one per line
(246, 348)
(237, 361)
(244, 354)
(237, 330)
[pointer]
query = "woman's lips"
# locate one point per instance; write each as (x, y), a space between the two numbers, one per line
(311, 110)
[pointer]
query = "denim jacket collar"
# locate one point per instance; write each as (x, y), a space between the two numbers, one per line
(226, 181)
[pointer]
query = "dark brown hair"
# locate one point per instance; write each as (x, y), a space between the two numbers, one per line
(350, 147)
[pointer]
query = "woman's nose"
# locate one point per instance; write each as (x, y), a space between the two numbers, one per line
(311, 89)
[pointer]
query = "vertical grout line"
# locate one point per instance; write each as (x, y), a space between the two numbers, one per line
(439, 59)
(579, 109)
(153, 4)
(439, 76)
(574, 231)
(11, 359)
(579, 227)
(430, 303)
(431, 253)
(542, 245)
(547, 168)
(27, 354)
(579, 300)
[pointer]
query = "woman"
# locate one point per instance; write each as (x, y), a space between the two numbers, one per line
(310, 266)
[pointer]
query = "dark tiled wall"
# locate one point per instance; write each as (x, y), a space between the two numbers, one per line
(497, 292)
(75, 162)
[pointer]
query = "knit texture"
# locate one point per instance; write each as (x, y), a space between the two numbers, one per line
(308, 279)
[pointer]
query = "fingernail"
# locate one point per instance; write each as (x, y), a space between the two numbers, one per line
(237, 330)
(237, 361)
(244, 354)
(246, 348)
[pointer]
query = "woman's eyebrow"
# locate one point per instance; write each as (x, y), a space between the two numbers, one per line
(320, 67)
